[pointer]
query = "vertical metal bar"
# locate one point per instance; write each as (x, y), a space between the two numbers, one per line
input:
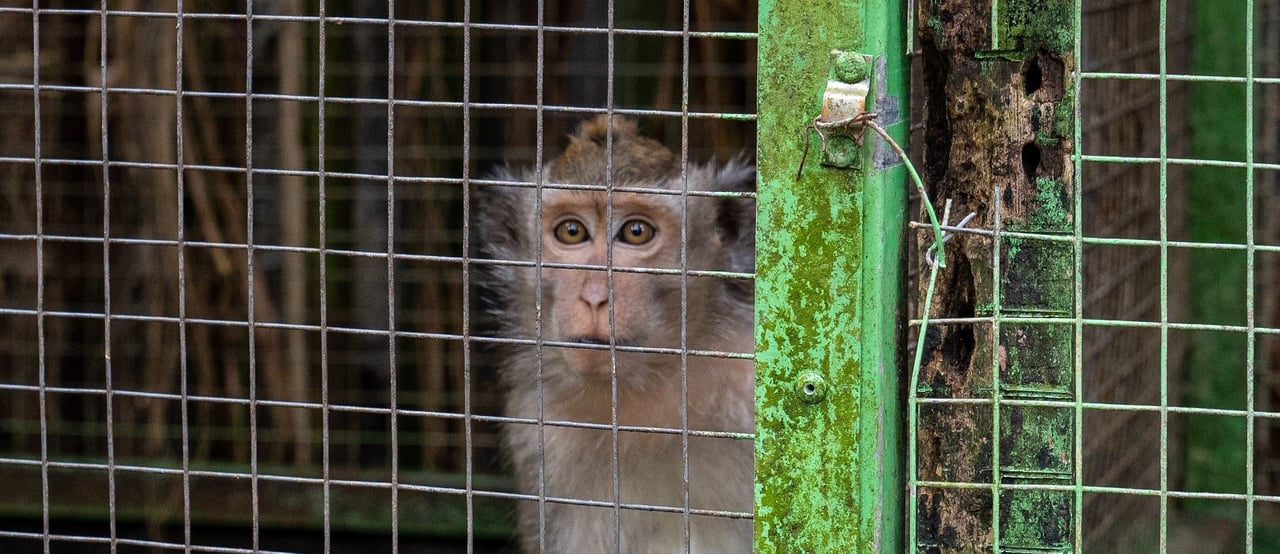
(1251, 334)
(616, 462)
(995, 45)
(684, 272)
(38, 169)
(249, 269)
(911, 28)
(913, 417)
(391, 277)
(466, 272)
(322, 239)
(997, 240)
(1077, 356)
(106, 273)
(180, 181)
(1218, 115)
(540, 178)
(1164, 277)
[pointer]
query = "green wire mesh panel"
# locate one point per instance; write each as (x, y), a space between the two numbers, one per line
(1122, 202)
(1268, 308)
(1099, 359)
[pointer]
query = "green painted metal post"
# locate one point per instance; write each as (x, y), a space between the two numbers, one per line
(829, 287)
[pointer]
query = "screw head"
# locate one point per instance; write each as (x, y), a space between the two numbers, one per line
(842, 152)
(850, 67)
(811, 387)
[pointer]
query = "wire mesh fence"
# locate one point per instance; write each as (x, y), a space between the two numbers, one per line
(238, 269)
(1128, 406)
(235, 289)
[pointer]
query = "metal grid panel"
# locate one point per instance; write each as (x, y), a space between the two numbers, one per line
(1122, 364)
(1172, 258)
(1268, 184)
(233, 244)
(1202, 361)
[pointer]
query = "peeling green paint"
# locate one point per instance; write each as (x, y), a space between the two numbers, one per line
(936, 26)
(1030, 24)
(1037, 360)
(828, 470)
(1039, 277)
(1053, 207)
(1051, 508)
(1064, 114)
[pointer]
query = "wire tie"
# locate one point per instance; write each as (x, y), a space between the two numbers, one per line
(857, 123)
(948, 235)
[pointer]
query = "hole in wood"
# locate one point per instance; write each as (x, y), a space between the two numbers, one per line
(1030, 160)
(1033, 76)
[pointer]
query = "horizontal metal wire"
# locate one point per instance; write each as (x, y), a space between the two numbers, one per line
(1096, 322)
(375, 485)
(141, 543)
(1100, 406)
(444, 105)
(1114, 241)
(1171, 493)
(241, 170)
(1193, 162)
(371, 410)
(441, 24)
(374, 254)
(116, 316)
(1177, 77)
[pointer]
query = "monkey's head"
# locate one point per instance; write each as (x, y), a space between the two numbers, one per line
(581, 234)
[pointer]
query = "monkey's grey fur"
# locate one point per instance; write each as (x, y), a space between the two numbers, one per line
(562, 462)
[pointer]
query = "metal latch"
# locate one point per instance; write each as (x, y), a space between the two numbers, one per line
(844, 108)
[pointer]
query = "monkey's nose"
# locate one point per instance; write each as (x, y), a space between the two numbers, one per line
(595, 293)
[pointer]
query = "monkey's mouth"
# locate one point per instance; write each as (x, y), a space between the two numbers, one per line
(589, 356)
(598, 341)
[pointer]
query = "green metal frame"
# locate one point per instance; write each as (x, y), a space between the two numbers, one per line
(828, 290)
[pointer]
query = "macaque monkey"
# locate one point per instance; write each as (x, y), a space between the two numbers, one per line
(578, 376)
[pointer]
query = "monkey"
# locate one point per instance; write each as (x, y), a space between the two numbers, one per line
(589, 313)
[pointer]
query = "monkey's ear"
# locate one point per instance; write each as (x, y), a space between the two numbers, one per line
(597, 129)
(499, 214)
(739, 175)
(736, 217)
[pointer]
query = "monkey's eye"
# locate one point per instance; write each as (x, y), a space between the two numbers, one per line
(571, 231)
(635, 231)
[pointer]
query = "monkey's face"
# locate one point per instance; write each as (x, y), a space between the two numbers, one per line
(641, 232)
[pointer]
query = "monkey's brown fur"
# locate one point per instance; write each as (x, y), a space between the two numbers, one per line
(577, 382)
